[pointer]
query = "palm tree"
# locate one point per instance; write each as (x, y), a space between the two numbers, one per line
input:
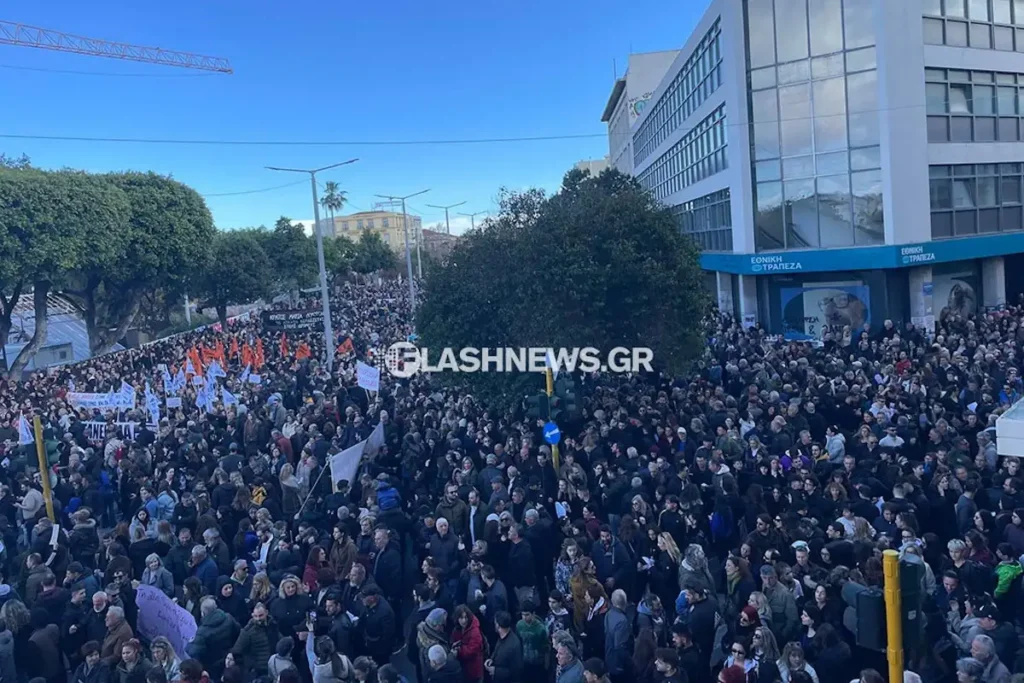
(333, 200)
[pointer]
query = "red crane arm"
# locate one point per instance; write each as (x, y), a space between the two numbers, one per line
(32, 36)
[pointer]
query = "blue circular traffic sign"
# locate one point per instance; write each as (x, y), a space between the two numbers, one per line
(552, 434)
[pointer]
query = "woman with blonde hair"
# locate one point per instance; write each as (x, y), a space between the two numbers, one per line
(166, 658)
(289, 490)
(664, 572)
(793, 660)
(262, 590)
(759, 602)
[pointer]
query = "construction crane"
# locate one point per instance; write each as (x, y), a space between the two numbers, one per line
(12, 33)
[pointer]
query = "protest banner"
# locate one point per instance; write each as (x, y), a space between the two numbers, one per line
(96, 430)
(292, 319)
(174, 401)
(344, 465)
(367, 376)
(160, 616)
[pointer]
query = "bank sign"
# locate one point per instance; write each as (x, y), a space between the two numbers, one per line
(865, 258)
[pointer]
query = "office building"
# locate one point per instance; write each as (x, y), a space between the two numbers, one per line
(844, 162)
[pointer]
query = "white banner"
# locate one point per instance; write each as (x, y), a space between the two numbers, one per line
(174, 401)
(97, 431)
(344, 465)
(367, 376)
(108, 401)
(160, 616)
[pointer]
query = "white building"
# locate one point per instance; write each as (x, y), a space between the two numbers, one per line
(842, 162)
(630, 94)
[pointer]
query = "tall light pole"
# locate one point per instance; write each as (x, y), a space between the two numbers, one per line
(472, 218)
(408, 254)
(447, 225)
(318, 231)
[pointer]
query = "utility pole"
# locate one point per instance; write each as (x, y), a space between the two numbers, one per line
(472, 218)
(318, 230)
(447, 225)
(188, 311)
(408, 253)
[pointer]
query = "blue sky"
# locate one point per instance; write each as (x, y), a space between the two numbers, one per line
(398, 70)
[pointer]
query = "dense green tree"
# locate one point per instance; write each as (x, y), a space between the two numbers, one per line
(166, 242)
(339, 253)
(372, 254)
(292, 255)
(237, 272)
(51, 225)
(598, 264)
(15, 163)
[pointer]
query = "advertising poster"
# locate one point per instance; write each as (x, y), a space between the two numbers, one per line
(955, 293)
(810, 311)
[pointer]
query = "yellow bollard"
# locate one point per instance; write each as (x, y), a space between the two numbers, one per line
(44, 469)
(893, 615)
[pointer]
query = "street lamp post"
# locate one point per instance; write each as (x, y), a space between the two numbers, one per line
(408, 253)
(318, 231)
(472, 218)
(447, 225)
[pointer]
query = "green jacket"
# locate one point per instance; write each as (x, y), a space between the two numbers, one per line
(535, 641)
(1007, 572)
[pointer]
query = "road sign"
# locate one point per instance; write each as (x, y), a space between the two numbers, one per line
(551, 433)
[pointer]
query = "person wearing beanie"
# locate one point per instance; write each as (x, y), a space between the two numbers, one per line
(431, 632)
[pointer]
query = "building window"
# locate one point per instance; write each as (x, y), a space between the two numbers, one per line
(359, 224)
(698, 155)
(344, 225)
(384, 222)
(699, 77)
(982, 24)
(815, 136)
(973, 106)
(970, 199)
(369, 223)
(707, 220)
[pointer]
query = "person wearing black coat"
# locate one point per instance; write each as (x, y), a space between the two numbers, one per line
(387, 566)
(611, 559)
(521, 568)
(424, 605)
(703, 610)
(231, 600)
(449, 672)
(506, 662)
(444, 548)
(377, 625)
(291, 608)
(256, 642)
(214, 638)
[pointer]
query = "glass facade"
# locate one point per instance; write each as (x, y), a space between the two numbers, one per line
(699, 77)
(814, 131)
(707, 220)
(974, 106)
(973, 199)
(698, 155)
(983, 24)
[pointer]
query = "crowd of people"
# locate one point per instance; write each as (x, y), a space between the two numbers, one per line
(690, 529)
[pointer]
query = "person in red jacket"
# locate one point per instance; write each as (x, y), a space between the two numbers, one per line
(468, 644)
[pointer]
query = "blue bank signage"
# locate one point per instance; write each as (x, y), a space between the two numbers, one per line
(774, 264)
(865, 258)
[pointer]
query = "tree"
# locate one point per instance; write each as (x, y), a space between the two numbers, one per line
(15, 163)
(333, 200)
(372, 254)
(52, 224)
(292, 255)
(238, 272)
(339, 253)
(165, 244)
(598, 264)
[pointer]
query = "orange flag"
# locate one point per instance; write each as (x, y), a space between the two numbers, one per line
(220, 352)
(193, 355)
(234, 347)
(284, 345)
(258, 358)
(208, 354)
(345, 347)
(303, 351)
(247, 356)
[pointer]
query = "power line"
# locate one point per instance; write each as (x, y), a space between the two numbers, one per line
(265, 189)
(300, 143)
(74, 72)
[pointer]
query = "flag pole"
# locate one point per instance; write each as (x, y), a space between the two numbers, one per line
(311, 490)
(44, 470)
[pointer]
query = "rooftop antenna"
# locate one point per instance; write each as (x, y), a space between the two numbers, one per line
(615, 70)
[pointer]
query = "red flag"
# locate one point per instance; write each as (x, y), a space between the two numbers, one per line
(220, 353)
(258, 358)
(303, 351)
(284, 345)
(345, 347)
(247, 355)
(234, 347)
